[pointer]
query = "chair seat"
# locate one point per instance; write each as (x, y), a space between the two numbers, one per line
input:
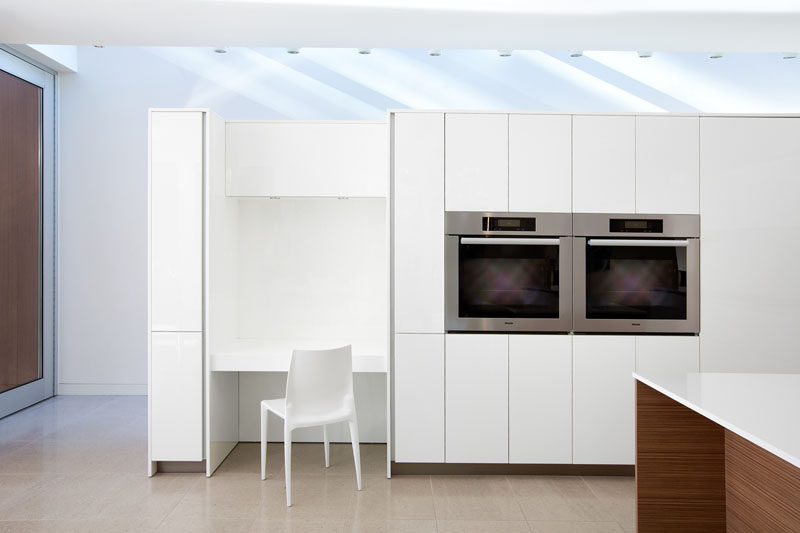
(299, 420)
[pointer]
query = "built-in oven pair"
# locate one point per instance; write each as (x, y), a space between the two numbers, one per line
(556, 272)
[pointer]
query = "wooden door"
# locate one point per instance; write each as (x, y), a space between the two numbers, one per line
(20, 231)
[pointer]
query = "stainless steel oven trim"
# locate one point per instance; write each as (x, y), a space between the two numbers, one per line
(454, 323)
(518, 241)
(581, 324)
(596, 225)
(470, 223)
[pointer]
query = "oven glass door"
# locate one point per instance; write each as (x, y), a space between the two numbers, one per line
(636, 279)
(508, 277)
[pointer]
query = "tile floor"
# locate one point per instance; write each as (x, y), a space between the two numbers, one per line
(77, 463)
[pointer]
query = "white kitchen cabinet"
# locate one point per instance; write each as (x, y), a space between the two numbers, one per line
(667, 354)
(419, 398)
(603, 164)
(476, 398)
(418, 198)
(176, 218)
(307, 159)
(176, 396)
(603, 399)
(667, 164)
(540, 163)
(540, 399)
(476, 162)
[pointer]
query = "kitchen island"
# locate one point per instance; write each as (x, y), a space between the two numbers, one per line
(717, 452)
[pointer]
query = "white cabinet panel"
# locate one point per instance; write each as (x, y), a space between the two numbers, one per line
(667, 354)
(749, 169)
(419, 398)
(418, 222)
(476, 402)
(176, 395)
(540, 398)
(307, 159)
(540, 163)
(603, 164)
(667, 164)
(176, 211)
(476, 162)
(603, 399)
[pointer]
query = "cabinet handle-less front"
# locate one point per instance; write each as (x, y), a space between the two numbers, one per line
(637, 242)
(502, 240)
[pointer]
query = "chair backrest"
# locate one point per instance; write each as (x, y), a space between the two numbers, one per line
(320, 381)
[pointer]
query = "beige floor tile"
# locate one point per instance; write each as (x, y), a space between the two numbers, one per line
(74, 526)
(298, 526)
(618, 496)
(400, 498)
(316, 497)
(148, 500)
(244, 459)
(390, 526)
(211, 525)
(481, 526)
(474, 498)
(565, 498)
(235, 496)
(575, 527)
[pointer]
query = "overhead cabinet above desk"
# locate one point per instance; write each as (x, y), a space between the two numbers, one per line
(298, 158)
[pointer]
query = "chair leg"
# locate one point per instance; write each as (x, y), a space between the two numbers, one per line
(327, 445)
(356, 450)
(287, 462)
(264, 414)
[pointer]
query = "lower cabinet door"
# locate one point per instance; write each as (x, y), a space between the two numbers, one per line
(540, 399)
(603, 399)
(419, 398)
(476, 421)
(176, 397)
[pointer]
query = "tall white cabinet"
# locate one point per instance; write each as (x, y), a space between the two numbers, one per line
(176, 181)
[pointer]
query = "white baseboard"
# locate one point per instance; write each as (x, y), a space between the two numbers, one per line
(103, 389)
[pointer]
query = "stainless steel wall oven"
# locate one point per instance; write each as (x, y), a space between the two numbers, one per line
(508, 271)
(636, 273)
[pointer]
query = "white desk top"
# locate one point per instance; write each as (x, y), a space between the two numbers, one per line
(762, 408)
(273, 355)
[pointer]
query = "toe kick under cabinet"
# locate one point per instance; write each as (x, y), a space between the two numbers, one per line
(524, 399)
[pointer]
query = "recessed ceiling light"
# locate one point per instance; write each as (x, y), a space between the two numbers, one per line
(292, 50)
(644, 54)
(790, 55)
(575, 53)
(434, 52)
(365, 51)
(715, 55)
(504, 53)
(220, 51)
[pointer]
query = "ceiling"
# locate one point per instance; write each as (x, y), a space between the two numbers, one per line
(677, 25)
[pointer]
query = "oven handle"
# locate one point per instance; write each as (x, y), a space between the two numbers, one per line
(638, 242)
(508, 240)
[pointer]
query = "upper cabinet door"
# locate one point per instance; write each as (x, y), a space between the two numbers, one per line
(476, 162)
(307, 159)
(540, 163)
(667, 164)
(603, 164)
(176, 218)
(418, 222)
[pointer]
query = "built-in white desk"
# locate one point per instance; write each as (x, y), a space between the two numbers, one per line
(274, 355)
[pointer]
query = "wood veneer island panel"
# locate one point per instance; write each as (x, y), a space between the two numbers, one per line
(693, 474)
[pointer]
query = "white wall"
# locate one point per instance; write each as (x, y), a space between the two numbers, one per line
(103, 143)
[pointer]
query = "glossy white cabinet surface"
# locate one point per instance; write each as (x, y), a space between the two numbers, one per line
(667, 164)
(603, 164)
(176, 189)
(176, 390)
(667, 354)
(749, 190)
(540, 163)
(419, 398)
(603, 399)
(476, 392)
(418, 198)
(307, 159)
(540, 398)
(476, 162)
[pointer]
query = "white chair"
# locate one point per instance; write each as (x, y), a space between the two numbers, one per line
(319, 391)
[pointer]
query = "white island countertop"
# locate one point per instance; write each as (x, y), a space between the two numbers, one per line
(274, 355)
(762, 408)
